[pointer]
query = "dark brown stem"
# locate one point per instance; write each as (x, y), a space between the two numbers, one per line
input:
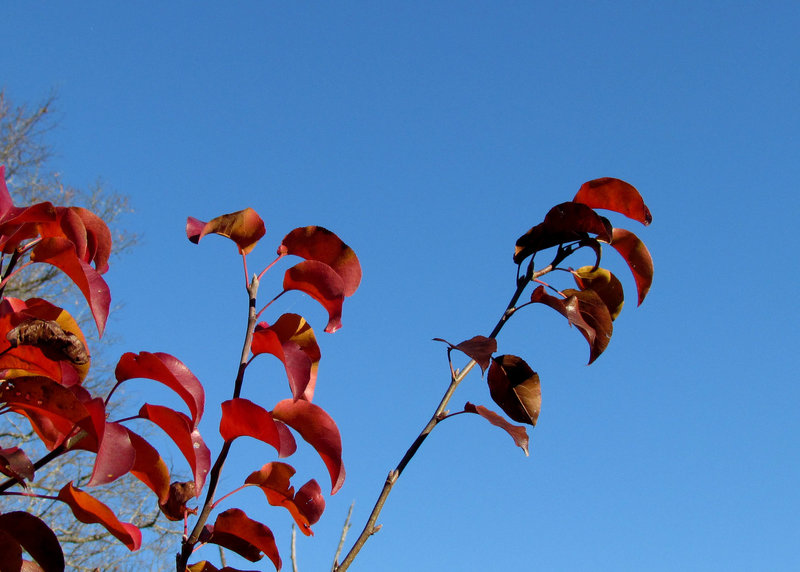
(189, 543)
(370, 528)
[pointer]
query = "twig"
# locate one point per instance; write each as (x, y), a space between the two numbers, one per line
(345, 529)
(293, 550)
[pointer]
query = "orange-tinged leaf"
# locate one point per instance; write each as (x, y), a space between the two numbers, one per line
(35, 537)
(241, 417)
(294, 359)
(168, 370)
(638, 258)
(319, 281)
(615, 195)
(317, 243)
(60, 252)
(306, 506)
(244, 227)
(85, 230)
(318, 430)
(149, 467)
(115, 455)
(517, 432)
(607, 286)
(233, 529)
(515, 387)
(88, 509)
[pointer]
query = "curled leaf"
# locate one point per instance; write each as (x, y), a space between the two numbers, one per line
(149, 467)
(607, 286)
(242, 417)
(317, 243)
(517, 433)
(55, 342)
(318, 430)
(514, 386)
(88, 509)
(35, 537)
(174, 505)
(615, 195)
(305, 506)
(15, 463)
(638, 258)
(244, 227)
(564, 223)
(116, 455)
(322, 283)
(294, 359)
(479, 348)
(234, 530)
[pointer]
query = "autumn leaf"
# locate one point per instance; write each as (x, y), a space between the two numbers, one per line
(244, 227)
(515, 387)
(88, 509)
(615, 195)
(320, 244)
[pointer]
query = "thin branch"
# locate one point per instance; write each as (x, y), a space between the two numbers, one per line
(293, 549)
(345, 529)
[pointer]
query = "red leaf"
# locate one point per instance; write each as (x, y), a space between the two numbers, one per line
(615, 195)
(179, 428)
(295, 360)
(85, 230)
(293, 330)
(514, 386)
(318, 430)
(88, 509)
(566, 222)
(305, 507)
(233, 529)
(322, 283)
(168, 370)
(149, 467)
(479, 348)
(16, 464)
(10, 553)
(205, 566)
(115, 456)
(607, 286)
(60, 252)
(517, 432)
(317, 243)
(245, 228)
(638, 258)
(241, 417)
(38, 540)
(310, 502)
(178, 494)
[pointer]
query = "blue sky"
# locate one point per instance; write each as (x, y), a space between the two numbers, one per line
(429, 136)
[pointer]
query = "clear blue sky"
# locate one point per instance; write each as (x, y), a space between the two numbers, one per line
(430, 135)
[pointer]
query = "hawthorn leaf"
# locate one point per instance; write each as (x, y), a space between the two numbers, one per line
(234, 530)
(60, 252)
(88, 509)
(291, 328)
(178, 494)
(168, 370)
(614, 195)
(318, 430)
(116, 455)
(244, 227)
(638, 258)
(149, 467)
(515, 387)
(607, 286)
(35, 537)
(15, 463)
(566, 222)
(517, 433)
(479, 348)
(317, 243)
(241, 417)
(180, 429)
(322, 283)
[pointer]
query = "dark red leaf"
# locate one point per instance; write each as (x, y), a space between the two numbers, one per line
(479, 348)
(638, 258)
(318, 430)
(205, 566)
(115, 456)
(295, 360)
(564, 223)
(615, 195)
(60, 252)
(179, 428)
(168, 370)
(319, 281)
(317, 243)
(291, 329)
(514, 386)
(88, 509)
(517, 432)
(233, 529)
(595, 314)
(310, 502)
(38, 540)
(16, 464)
(607, 286)
(10, 553)
(245, 228)
(149, 467)
(241, 417)
(178, 494)
(305, 506)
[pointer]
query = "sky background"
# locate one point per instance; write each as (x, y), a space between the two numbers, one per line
(429, 136)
